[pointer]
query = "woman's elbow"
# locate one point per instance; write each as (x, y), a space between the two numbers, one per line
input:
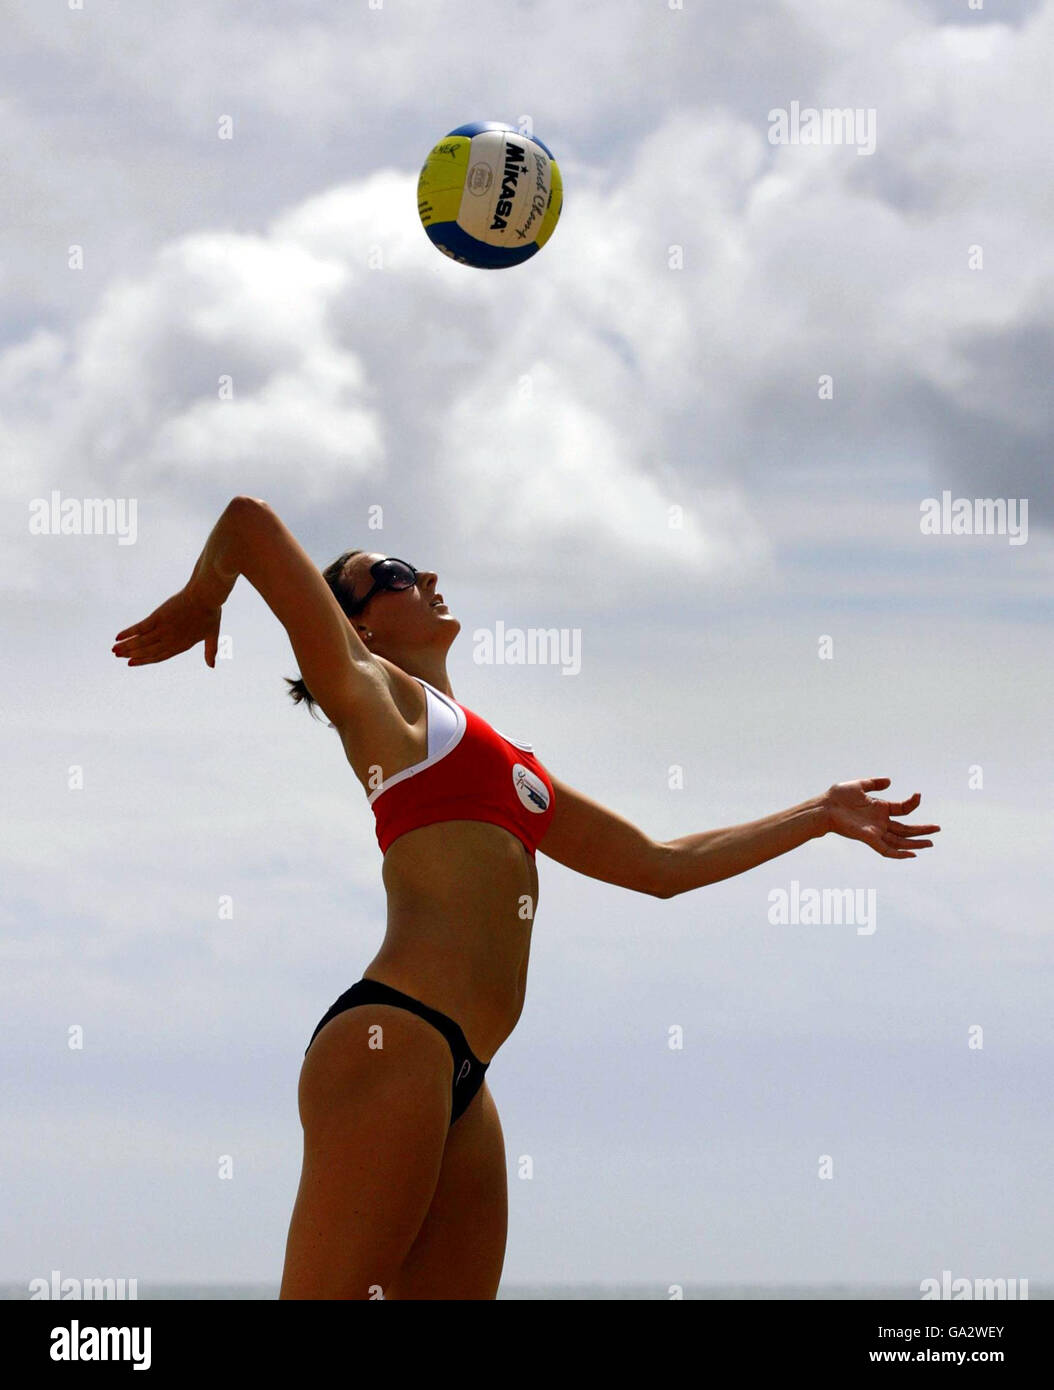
(247, 504)
(662, 882)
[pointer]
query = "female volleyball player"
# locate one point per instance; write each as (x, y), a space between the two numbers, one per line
(403, 1188)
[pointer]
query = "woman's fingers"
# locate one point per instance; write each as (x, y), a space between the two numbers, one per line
(893, 849)
(898, 829)
(136, 646)
(134, 636)
(159, 651)
(138, 629)
(159, 636)
(151, 654)
(874, 784)
(900, 837)
(159, 648)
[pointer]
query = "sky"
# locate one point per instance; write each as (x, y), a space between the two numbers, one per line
(699, 430)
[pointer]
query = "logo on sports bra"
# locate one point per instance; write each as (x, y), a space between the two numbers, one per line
(530, 788)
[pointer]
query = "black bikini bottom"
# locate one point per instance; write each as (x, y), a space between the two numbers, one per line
(469, 1071)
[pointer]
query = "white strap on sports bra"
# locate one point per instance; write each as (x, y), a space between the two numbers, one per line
(446, 725)
(443, 721)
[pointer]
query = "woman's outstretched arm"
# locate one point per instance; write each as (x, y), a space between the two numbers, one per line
(592, 840)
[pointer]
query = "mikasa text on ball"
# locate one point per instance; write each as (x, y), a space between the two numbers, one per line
(489, 196)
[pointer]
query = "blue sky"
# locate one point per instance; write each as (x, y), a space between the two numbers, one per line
(526, 433)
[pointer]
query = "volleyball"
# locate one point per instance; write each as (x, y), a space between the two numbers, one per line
(489, 196)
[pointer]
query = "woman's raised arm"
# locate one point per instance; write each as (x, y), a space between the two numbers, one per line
(251, 539)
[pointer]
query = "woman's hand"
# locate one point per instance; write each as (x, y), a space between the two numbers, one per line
(857, 816)
(181, 622)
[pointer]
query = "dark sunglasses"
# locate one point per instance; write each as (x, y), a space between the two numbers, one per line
(386, 574)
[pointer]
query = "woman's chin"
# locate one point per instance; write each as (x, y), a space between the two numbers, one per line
(446, 623)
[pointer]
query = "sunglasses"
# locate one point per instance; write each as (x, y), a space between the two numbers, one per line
(386, 574)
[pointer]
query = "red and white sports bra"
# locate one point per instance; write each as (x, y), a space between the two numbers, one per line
(471, 772)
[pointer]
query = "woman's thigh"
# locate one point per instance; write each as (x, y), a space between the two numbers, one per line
(375, 1123)
(460, 1248)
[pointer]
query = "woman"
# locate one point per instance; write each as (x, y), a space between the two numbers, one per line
(403, 1188)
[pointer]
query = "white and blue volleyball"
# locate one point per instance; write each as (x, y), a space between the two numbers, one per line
(489, 196)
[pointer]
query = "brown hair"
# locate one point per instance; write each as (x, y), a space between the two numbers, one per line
(333, 575)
